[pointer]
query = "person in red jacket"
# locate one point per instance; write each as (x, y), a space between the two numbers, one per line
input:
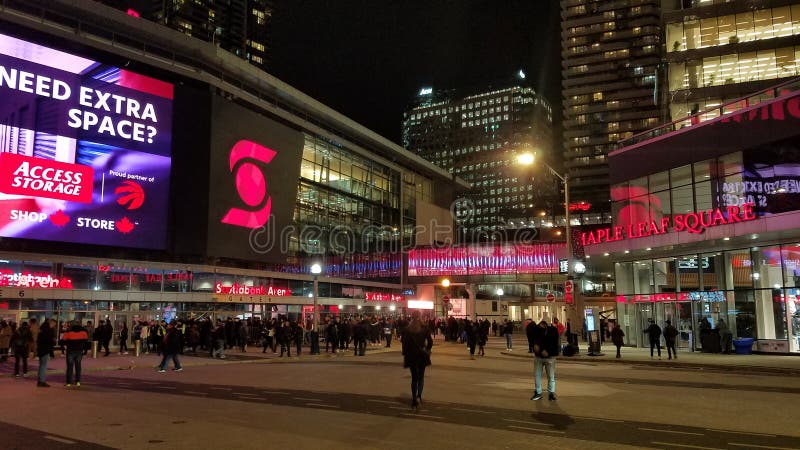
(75, 340)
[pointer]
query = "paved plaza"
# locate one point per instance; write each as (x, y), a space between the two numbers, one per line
(252, 400)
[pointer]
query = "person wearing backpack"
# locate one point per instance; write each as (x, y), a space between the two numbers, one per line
(20, 343)
(545, 350)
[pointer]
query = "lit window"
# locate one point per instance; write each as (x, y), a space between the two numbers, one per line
(597, 96)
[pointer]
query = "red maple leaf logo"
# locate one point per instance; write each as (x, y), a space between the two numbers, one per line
(124, 225)
(132, 194)
(59, 219)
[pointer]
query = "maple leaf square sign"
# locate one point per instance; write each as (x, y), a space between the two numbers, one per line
(95, 168)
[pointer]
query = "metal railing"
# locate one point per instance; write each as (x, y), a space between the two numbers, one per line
(732, 106)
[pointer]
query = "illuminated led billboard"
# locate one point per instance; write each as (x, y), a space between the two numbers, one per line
(84, 149)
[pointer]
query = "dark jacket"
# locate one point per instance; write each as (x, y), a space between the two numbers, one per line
(670, 333)
(21, 340)
(417, 344)
(45, 341)
(530, 332)
(545, 342)
(654, 332)
(616, 336)
(76, 339)
(172, 341)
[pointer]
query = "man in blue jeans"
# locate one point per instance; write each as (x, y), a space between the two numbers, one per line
(45, 342)
(545, 350)
(508, 330)
(75, 340)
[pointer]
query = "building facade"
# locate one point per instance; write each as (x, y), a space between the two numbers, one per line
(478, 138)
(717, 52)
(153, 189)
(611, 51)
(705, 229)
(242, 27)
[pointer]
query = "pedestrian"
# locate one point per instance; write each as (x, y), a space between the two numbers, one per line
(34, 325)
(75, 340)
(654, 333)
(5, 340)
(616, 337)
(670, 333)
(545, 350)
(285, 339)
(472, 337)
(387, 333)
(508, 331)
(108, 333)
(243, 335)
(218, 340)
(530, 332)
(559, 326)
(494, 327)
(45, 344)
(360, 337)
(332, 336)
(417, 343)
(483, 336)
(123, 339)
(297, 335)
(170, 348)
(725, 336)
(20, 344)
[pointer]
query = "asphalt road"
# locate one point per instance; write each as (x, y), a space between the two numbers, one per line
(348, 402)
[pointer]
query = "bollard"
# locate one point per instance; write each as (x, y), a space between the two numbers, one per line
(138, 346)
(94, 349)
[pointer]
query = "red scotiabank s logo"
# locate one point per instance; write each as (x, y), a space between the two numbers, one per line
(250, 184)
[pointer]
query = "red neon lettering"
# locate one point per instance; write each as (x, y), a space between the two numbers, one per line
(664, 224)
(733, 214)
(618, 233)
(602, 234)
(747, 212)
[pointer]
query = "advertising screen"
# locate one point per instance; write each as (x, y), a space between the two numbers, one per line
(84, 149)
(255, 169)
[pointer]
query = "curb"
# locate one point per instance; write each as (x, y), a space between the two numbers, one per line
(666, 364)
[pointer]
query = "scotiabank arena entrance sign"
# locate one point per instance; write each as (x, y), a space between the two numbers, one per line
(85, 149)
(695, 222)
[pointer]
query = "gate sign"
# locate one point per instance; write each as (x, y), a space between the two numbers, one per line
(445, 299)
(568, 288)
(551, 298)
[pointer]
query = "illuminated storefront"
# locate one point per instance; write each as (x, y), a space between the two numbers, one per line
(713, 242)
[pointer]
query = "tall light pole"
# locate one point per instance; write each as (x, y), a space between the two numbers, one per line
(528, 159)
(316, 269)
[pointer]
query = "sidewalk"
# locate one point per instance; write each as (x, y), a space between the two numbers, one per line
(775, 364)
(115, 361)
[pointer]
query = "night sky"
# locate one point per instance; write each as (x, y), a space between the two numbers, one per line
(368, 58)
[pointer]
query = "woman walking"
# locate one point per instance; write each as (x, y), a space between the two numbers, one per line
(417, 344)
(616, 337)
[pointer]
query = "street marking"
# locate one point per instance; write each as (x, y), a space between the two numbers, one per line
(245, 393)
(308, 399)
(741, 432)
(58, 439)
(601, 420)
(421, 415)
(382, 401)
(672, 444)
(275, 393)
(536, 429)
(195, 393)
(164, 387)
(221, 389)
(736, 444)
(322, 406)
(474, 411)
(529, 422)
(670, 431)
(398, 407)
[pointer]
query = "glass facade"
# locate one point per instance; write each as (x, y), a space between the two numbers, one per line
(753, 292)
(757, 25)
(767, 177)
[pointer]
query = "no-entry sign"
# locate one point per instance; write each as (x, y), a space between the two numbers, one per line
(551, 298)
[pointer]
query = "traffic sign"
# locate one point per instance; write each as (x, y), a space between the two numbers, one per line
(551, 298)
(445, 299)
(569, 299)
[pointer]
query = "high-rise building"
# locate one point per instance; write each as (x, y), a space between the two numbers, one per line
(241, 27)
(611, 51)
(478, 137)
(721, 51)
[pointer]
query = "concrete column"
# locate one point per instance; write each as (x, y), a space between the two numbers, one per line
(472, 307)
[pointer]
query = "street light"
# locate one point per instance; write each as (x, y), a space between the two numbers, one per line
(446, 283)
(499, 292)
(316, 269)
(527, 159)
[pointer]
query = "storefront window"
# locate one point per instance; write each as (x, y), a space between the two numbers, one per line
(686, 273)
(203, 282)
(82, 276)
(114, 278)
(146, 279)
